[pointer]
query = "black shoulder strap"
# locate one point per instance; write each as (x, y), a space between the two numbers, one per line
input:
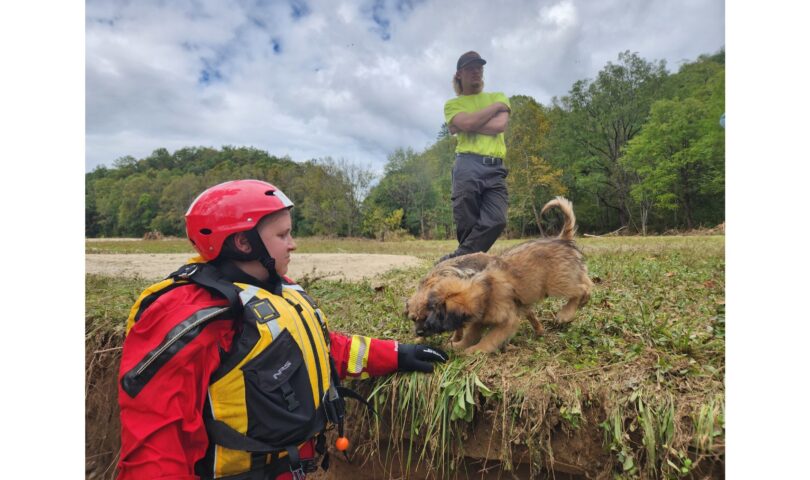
(207, 275)
(222, 434)
(349, 393)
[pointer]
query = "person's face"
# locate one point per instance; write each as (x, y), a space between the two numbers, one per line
(276, 233)
(471, 76)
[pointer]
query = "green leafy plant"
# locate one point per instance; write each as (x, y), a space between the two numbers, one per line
(642, 365)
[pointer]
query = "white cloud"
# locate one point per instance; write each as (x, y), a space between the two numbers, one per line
(561, 15)
(345, 79)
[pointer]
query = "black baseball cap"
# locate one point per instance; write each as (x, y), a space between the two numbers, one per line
(469, 58)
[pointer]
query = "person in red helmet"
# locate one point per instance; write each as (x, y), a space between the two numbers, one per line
(228, 369)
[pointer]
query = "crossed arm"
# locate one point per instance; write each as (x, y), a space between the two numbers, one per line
(490, 120)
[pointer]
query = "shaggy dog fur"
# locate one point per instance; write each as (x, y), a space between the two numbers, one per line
(466, 294)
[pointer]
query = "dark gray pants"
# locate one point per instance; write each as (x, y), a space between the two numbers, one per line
(480, 201)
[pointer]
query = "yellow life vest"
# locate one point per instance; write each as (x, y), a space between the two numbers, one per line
(274, 389)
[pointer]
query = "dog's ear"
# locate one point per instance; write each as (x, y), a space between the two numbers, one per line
(454, 320)
(433, 322)
(434, 303)
(436, 313)
(455, 315)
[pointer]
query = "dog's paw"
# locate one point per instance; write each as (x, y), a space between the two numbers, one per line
(476, 349)
(558, 326)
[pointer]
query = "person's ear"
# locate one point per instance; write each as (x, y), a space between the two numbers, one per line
(241, 242)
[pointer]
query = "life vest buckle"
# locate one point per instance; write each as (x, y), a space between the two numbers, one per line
(289, 395)
(187, 271)
(298, 473)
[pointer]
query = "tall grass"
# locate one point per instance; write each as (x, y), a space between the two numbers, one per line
(633, 388)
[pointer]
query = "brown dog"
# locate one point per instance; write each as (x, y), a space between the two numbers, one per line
(464, 266)
(466, 295)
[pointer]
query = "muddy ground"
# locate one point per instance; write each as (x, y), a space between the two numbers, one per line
(333, 266)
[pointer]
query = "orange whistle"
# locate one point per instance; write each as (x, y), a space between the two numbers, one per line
(342, 443)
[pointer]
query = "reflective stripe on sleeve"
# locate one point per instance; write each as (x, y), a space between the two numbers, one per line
(358, 356)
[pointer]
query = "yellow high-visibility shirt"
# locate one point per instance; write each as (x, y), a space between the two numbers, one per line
(486, 145)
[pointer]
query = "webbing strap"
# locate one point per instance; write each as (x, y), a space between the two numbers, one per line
(277, 467)
(324, 329)
(348, 392)
(208, 276)
(222, 434)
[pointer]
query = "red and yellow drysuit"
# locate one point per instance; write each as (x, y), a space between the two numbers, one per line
(163, 435)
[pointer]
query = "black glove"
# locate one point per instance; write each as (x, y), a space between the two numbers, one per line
(418, 358)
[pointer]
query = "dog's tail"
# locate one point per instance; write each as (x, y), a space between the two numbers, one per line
(567, 208)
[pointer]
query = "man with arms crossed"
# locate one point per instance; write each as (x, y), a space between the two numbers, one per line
(479, 192)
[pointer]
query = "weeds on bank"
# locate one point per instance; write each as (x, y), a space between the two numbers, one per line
(426, 416)
(106, 307)
(642, 365)
(655, 322)
(645, 432)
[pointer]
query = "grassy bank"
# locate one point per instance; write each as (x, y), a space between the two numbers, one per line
(632, 389)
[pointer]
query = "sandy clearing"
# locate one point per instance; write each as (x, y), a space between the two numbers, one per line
(347, 266)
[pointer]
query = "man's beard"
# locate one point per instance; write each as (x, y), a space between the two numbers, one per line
(476, 87)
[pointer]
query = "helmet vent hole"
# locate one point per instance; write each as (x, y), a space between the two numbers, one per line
(205, 231)
(270, 192)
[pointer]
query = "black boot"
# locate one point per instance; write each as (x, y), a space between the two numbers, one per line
(447, 257)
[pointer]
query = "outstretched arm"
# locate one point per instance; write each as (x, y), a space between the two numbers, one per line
(362, 357)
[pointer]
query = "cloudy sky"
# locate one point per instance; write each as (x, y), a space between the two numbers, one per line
(347, 79)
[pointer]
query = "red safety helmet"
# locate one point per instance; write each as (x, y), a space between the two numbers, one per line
(228, 208)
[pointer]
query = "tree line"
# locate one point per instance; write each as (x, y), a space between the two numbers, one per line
(636, 148)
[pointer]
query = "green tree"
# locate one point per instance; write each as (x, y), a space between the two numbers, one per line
(378, 224)
(597, 119)
(153, 193)
(137, 203)
(408, 183)
(680, 154)
(532, 181)
(354, 181)
(103, 194)
(174, 202)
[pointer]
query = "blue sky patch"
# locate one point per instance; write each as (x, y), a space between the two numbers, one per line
(299, 9)
(209, 74)
(382, 24)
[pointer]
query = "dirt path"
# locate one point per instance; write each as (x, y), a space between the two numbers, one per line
(333, 266)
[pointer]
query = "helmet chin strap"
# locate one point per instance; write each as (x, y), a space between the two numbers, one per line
(259, 252)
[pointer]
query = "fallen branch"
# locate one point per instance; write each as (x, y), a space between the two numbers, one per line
(607, 234)
(108, 350)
